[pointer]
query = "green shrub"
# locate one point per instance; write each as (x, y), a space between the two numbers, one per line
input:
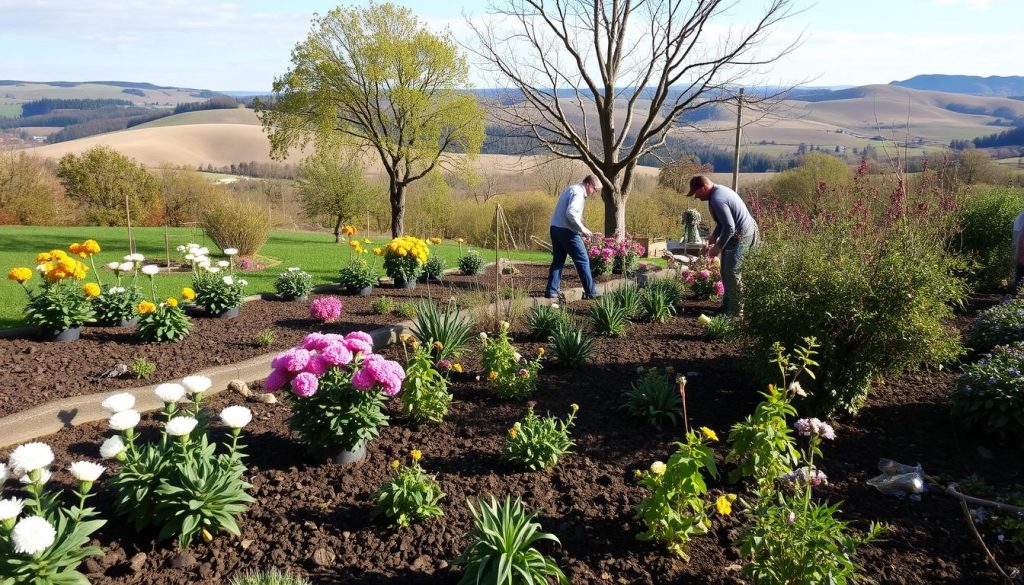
(608, 318)
(232, 223)
(383, 305)
(358, 274)
(425, 396)
(801, 185)
(471, 263)
(142, 368)
(446, 331)
(721, 327)
(544, 320)
(673, 288)
(986, 236)
(655, 398)
(990, 393)
(655, 306)
(271, 577)
(293, 283)
(877, 302)
(501, 547)
(116, 304)
(408, 310)
(217, 292)
(537, 442)
(999, 325)
(628, 296)
(165, 323)
(434, 268)
(409, 495)
(571, 345)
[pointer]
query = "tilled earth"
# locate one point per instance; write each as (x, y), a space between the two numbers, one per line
(312, 517)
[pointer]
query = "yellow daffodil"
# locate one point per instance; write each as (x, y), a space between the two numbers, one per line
(353, 244)
(416, 455)
(512, 433)
(457, 367)
(21, 275)
(724, 504)
(172, 302)
(492, 375)
(708, 434)
(91, 289)
(188, 294)
(146, 307)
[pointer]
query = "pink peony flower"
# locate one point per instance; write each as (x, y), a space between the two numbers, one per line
(315, 341)
(305, 385)
(360, 335)
(275, 381)
(336, 354)
(293, 360)
(364, 379)
(326, 309)
(359, 346)
(704, 274)
(317, 365)
(719, 288)
(389, 375)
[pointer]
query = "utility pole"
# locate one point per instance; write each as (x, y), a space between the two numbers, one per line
(736, 151)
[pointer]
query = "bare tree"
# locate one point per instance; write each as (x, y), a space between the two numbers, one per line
(556, 173)
(605, 81)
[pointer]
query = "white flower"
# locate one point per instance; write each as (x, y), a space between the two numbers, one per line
(203, 251)
(223, 263)
(180, 426)
(124, 420)
(10, 508)
(190, 257)
(212, 269)
(126, 267)
(86, 470)
(112, 447)
(554, 305)
(294, 269)
(32, 535)
(30, 457)
(136, 257)
(202, 261)
(483, 336)
(658, 468)
(44, 476)
(180, 248)
(796, 389)
(118, 402)
(112, 265)
(41, 268)
(169, 392)
(230, 251)
(150, 269)
(4, 474)
(518, 356)
(116, 290)
(243, 282)
(236, 417)
(196, 384)
(228, 280)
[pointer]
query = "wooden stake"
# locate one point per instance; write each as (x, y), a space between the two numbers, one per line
(681, 381)
(736, 152)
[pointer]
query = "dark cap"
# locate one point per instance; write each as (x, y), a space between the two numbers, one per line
(696, 182)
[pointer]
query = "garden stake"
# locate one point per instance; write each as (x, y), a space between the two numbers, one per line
(952, 490)
(681, 381)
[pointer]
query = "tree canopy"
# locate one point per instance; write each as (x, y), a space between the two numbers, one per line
(109, 184)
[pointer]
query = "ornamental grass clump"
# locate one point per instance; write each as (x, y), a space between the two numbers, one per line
(338, 389)
(674, 289)
(1001, 325)
(404, 258)
(61, 301)
(501, 547)
(544, 320)
(471, 263)
(43, 539)
(719, 327)
(655, 306)
(508, 373)
(383, 305)
(989, 393)
(675, 510)
(293, 283)
(326, 309)
(425, 395)
(628, 296)
(608, 318)
(655, 397)
(410, 495)
(571, 345)
(178, 482)
(536, 443)
(445, 330)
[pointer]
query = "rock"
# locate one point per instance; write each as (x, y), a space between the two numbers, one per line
(323, 557)
(265, 398)
(245, 544)
(92, 567)
(423, 564)
(205, 570)
(442, 564)
(138, 561)
(240, 387)
(346, 534)
(116, 371)
(183, 560)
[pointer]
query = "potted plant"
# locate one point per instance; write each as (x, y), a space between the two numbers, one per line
(117, 305)
(404, 258)
(60, 304)
(339, 389)
(358, 277)
(163, 320)
(294, 284)
(218, 291)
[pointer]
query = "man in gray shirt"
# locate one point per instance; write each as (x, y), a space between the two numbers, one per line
(735, 233)
(567, 233)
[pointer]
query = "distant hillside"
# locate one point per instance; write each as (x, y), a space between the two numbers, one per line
(140, 94)
(968, 84)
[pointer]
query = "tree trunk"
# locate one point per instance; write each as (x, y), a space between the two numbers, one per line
(337, 230)
(614, 211)
(397, 209)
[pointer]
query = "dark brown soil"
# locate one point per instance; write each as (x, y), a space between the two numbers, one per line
(587, 501)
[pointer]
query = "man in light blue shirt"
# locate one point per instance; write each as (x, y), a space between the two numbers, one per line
(567, 233)
(735, 234)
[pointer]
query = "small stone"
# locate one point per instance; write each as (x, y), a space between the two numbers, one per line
(423, 564)
(346, 534)
(240, 387)
(265, 398)
(245, 544)
(442, 564)
(116, 371)
(308, 523)
(183, 560)
(138, 561)
(323, 557)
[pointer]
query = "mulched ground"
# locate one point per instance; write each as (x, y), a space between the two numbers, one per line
(37, 372)
(304, 506)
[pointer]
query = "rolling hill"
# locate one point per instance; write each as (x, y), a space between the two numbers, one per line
(12, 91)
(968, 84)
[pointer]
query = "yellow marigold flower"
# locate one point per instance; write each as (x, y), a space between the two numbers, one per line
(91, 289)
(492, 375)
(438, 345)
(43, 257)
(540, 351)
(513, 432)
(91, 247)
(188, 294)
(378, 251)
(172, 302)
(435, 241)
(402, 252)
(349, 230)
(75, 248)
(575, 407)
(457, 367)
(405, 337)
(20, 274)
(395, 464)
(416, 455)
(724, 504)
(58, 254)
(146, 307)
(708, 434)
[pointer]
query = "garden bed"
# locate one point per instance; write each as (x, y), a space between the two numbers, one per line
(306, 508)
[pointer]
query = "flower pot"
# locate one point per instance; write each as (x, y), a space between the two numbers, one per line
(641, 279)
(350, 457)
(359, 292)
(401, 282)
(66, 335)
(227, 313)
(127, 322)
(300, 299)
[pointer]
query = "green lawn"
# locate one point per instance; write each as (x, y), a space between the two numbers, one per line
(10, 110)
(313, 252)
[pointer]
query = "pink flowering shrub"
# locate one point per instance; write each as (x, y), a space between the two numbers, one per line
(607, 254)
(705, 279)
(326, 309)
(338, 389)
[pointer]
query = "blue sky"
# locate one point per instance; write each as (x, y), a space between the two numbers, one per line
(242, 45)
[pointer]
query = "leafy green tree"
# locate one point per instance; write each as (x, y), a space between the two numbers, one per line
(186, 194)
(108, 183)
(376, 76)
(332, 189)
(801, 184)
(28, 190)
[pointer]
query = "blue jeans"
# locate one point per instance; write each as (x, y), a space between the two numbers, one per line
(732, 262)
(568, 243)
